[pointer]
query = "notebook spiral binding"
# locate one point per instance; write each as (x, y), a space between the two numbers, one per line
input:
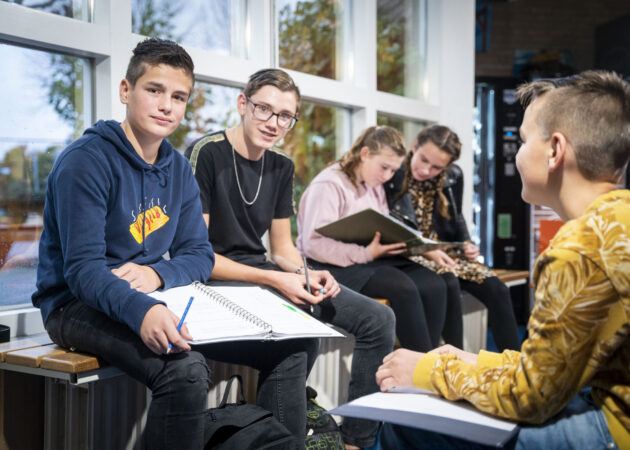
(233, 307)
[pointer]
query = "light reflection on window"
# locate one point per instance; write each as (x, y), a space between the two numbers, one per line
(49, 108)
(74, 9)
(401, 47)
(216, 25)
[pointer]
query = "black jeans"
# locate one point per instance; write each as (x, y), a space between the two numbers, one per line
(180, 382)
(372, 325)
(426, 305)
(496, 296)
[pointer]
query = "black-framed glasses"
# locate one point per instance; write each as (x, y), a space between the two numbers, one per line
(264, 113)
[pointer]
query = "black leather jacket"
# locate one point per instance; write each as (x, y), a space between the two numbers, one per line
(449, 230)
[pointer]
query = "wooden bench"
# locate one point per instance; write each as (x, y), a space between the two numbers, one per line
(512, 277)
(475, 313)
(56, 399)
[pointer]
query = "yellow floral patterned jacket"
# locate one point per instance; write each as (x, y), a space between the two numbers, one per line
(578, 331)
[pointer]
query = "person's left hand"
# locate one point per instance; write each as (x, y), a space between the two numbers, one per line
(397, 369)
(140, 278)
(470, 358)
(471, 251)
(440, 257)
(322, 279)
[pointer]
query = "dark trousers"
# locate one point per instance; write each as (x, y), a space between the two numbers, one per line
(496, 296)
(426, 305)
(372, 325)
(180, 382)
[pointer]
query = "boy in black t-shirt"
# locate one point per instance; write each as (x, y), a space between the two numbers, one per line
(246, 190)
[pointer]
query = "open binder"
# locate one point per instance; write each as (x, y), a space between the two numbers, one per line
(240, 312)
(359, 228)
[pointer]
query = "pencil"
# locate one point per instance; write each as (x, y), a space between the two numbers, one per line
(308, 286)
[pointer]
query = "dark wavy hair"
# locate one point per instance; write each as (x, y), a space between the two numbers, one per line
(446, 140)
(154, 51)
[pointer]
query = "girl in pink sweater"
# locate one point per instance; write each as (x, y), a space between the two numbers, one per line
(422, 300)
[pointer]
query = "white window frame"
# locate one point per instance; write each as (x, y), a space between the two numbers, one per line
(108, 41)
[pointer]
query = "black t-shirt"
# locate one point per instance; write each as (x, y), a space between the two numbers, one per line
(236, 228)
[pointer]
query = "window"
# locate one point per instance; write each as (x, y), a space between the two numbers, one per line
(318, 138)
(75, 9)
(401, 47)
(49, 108)
(408, 128)
(211, 107)
(312, 36)
(215, 25)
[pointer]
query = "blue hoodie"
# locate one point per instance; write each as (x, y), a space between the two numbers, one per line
(105, 206)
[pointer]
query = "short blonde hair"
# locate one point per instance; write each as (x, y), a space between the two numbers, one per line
(592, 110)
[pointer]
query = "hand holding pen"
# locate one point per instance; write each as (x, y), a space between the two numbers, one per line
(181, 322)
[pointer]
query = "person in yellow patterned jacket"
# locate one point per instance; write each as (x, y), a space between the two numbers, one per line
(569, 385)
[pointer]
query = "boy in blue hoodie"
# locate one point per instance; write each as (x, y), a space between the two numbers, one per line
(118, 199)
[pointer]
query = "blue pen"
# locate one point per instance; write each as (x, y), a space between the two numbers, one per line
(181, 321)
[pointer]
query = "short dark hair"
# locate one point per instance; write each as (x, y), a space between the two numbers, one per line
(155, 51)
(592, 109)
(272, 77)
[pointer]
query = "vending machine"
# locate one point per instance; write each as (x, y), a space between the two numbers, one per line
(501, 217)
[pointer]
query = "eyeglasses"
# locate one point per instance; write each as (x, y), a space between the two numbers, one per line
(264, 113)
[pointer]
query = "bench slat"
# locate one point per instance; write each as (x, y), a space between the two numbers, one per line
(71, 362)
(506, 275)
(22, 343)
(32, 357)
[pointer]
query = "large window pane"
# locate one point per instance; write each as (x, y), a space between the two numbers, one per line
(211, 107)
(401, 47)
(321, 134)
(216, 25)
(49, 108)
(311, 36)
(408, 128)
(75, 9)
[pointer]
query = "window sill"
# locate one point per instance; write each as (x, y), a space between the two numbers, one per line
(23, 321)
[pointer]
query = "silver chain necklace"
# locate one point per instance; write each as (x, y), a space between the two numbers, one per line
(238, 183)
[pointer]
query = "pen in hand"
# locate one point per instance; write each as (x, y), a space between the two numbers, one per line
(308, 285)
(181, 322)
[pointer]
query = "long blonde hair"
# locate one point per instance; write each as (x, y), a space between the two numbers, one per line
(374, 138)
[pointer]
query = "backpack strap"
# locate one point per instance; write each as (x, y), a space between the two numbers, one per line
(241, 398)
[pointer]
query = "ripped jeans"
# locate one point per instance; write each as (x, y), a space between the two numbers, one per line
(180, 382)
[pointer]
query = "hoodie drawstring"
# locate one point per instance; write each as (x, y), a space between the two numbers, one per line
(162, 174)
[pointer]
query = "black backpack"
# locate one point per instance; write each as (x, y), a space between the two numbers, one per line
(322, 432)
(243, 426)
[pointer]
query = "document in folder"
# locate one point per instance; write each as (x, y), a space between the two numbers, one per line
(359, 228)
(428, 411)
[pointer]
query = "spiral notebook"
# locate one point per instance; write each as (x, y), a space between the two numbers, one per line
(240, 312)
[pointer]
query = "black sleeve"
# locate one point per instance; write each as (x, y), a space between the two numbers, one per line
(284, 206)
(455, 228)
(203, 168)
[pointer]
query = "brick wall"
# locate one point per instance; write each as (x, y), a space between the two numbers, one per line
(545, 24)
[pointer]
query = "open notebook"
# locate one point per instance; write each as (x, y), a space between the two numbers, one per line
(359, 228)
(419, 408)
(234, 313)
